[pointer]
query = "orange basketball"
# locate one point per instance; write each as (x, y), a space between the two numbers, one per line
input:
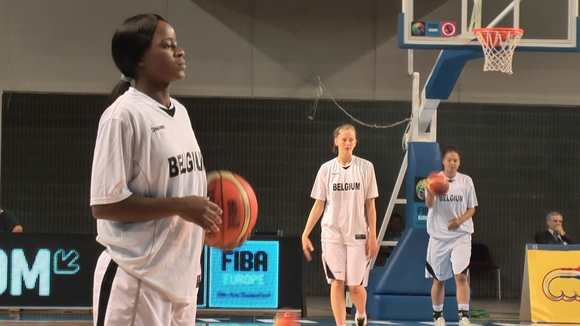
(438, 183)
(286, 318)
(234, 195)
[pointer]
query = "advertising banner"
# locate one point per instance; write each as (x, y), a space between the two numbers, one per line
(552, 290)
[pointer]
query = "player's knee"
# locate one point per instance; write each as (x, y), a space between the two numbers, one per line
(337, 283)
(461, 278)
(438, 283)
(355, 289)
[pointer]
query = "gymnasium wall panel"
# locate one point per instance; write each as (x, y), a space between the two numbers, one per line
(523, 160)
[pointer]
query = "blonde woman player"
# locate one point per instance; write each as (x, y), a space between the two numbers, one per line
(450, 225)
(344, 192)
(148, 187)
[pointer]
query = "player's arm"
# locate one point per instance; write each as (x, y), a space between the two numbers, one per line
(372, 243)
(467, 215)
(454, 223)
(136, 208)
(313, 217)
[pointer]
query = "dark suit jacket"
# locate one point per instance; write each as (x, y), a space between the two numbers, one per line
(546, 237)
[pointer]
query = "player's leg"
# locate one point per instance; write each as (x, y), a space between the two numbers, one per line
(439, 268)
(437, 292)
(437, 299)
(334, 262)
(460, 257)
(357, 274)
(358, 294)
(462, 288)
(338, 301)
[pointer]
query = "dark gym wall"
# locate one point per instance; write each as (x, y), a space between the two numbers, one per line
(522, 160)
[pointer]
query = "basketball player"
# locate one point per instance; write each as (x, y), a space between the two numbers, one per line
(148, 187)
(450, 225)
(344, 192)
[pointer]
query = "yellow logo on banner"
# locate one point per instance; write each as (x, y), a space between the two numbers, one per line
(554, 280)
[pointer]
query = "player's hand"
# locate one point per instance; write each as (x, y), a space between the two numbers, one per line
(307, 248)
(425, 183)
(454, 224)
(372, 247)
(201, 211)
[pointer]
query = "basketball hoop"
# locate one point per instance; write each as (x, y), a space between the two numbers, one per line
(498, 45)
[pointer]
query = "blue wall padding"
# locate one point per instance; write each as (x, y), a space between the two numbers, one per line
(422, 159)
(404, 272)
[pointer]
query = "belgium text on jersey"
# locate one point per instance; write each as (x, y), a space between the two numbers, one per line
(346, 186)
(185, 163)
(458, 198)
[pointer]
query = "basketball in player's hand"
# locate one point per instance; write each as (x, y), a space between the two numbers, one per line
(234, 195)
(438, 183)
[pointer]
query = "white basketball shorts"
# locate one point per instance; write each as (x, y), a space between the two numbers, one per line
(348, 263)
(447, 257)
(121, 299)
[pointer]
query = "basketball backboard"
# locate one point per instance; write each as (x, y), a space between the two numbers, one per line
(549, 25)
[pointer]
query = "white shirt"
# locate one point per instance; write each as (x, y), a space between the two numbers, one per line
(460, 197)
(140, 149)
(345, 191)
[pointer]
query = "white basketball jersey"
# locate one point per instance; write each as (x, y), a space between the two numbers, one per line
(141, 149)
(459, 197)
(345, 191)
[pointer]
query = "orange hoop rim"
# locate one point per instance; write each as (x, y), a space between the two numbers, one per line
(498, 45)
(503, 31)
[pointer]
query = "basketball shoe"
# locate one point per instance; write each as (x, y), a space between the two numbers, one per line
(441, 322)
(464, 321)
(363, 321)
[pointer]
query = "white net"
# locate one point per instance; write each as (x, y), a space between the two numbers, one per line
(498, 46)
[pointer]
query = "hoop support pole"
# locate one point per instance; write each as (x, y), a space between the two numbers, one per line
(504, 13)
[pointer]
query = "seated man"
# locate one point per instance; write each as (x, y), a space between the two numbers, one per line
(555, 233)
(9, 222)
